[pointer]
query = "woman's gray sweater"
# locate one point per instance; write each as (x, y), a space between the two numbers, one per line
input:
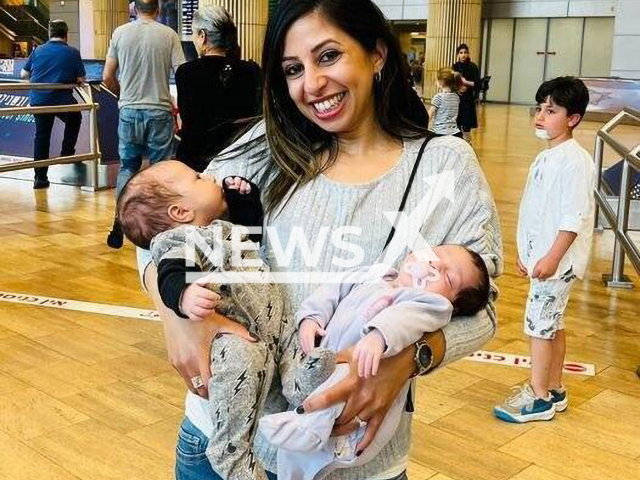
(317, 210)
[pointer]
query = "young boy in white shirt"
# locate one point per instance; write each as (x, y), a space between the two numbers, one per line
(554, 240)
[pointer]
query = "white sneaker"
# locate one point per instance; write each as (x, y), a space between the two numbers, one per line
(523, 406)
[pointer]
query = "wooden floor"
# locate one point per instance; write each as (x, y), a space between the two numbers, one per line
(87, 396)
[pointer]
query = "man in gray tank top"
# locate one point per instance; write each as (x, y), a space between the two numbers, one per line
(144, 52)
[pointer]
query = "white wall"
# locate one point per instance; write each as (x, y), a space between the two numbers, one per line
(625, 61)
(548, 8)
(418, 9)
(87, 32)
(69, 13)
(404, 9)
(626, 42)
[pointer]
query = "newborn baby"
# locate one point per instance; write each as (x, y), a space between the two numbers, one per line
(380, 317)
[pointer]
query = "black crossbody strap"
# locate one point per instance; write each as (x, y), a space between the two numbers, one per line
(409, 403)
(407, 190)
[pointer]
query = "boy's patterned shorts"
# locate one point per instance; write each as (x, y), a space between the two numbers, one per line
(546, 304)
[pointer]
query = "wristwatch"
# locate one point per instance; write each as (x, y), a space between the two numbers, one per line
(423, 358)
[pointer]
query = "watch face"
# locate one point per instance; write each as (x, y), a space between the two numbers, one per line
(424, 355)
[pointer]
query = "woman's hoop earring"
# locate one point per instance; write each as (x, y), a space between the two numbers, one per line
(378, 77)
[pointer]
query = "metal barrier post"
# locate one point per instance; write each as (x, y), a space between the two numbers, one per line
(598, 153)
(89, 105)
(619, 223)
(617, 278)
(96, 133)
(93, 130)
(93, 142)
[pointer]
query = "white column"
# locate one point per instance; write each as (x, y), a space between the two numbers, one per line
(450, 23)
(625, 58)
(96, 20)
(87, 35)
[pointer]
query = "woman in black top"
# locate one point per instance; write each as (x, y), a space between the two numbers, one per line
(467, 117)
(216, 90)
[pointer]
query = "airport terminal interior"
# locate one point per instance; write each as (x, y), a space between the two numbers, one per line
(86, 388)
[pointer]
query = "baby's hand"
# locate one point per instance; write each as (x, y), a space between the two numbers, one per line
(237, 183)
(308, 331)
(368, 352)
(198, 302)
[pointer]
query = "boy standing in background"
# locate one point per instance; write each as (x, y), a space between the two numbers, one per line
(554, 240)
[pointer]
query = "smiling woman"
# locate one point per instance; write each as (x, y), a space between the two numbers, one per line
(330, 82)
(333, 73)
(341, 136)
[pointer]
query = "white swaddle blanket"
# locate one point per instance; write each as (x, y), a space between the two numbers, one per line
(347, 311)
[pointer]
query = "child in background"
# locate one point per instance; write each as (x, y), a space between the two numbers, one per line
(443, 111)
(554, 240)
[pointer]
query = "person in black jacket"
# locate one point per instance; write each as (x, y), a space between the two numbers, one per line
(216, 90)
(467, 117)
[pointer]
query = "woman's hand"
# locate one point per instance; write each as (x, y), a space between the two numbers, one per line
(369, 399)
(189, 342)
(189, 346)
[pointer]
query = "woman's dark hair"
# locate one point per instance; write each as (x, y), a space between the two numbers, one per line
(473, 299)
(568, 92)
(462, 46)
(294, 141)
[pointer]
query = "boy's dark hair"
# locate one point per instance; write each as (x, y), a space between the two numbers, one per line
(147, 6)
(568, 92)
(473, 299)
(58, 29)
(142, 210)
